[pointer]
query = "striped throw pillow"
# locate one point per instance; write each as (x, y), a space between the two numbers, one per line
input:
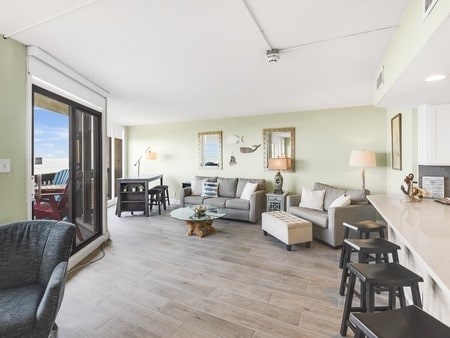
(210, 189)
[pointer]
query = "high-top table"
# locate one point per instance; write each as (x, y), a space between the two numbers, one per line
(132, 193)
(422, 229)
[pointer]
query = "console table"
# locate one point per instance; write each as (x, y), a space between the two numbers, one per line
(132, 194)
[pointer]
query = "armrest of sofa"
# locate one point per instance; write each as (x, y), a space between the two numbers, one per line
(257, 205)
(350, 213)
(292, 200)
(183, 193)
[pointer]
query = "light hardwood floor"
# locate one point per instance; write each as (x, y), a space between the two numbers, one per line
(157, 282)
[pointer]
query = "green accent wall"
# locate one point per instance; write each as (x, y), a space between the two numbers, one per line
(324, 141)
(13, 130)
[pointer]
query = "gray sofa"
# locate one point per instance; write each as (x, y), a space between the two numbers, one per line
(328, 224)
(230, 190)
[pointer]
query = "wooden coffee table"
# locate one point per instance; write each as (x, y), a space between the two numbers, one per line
(199, 226)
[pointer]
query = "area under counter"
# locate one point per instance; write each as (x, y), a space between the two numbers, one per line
(422, 229)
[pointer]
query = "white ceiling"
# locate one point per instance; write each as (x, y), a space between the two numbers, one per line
(177, 60)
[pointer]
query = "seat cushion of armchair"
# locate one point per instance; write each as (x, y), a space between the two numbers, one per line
(18, 309)
(317, 217)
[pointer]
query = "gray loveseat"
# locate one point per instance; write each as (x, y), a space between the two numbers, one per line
(328, 224)
(229, 193)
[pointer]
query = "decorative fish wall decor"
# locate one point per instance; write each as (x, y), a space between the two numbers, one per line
(248, 149)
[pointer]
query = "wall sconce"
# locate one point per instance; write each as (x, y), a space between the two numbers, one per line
(281, 163)
(149, 155)
(364, 159)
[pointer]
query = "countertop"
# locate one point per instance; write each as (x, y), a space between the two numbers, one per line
(425, 228)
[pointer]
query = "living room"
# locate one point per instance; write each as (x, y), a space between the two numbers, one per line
(326, 133)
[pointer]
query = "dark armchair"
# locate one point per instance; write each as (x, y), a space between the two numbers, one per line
(33, 265)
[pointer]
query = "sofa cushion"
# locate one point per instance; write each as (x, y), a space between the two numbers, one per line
(195, 199)
(227, 186)
(341, 201)
(243, 181)
(237, 203)
(217, 201)
(331, 193)
(358, 196)
(210, 189)
(317, 217)
(312, 199)
(249, 189)
(197, 186)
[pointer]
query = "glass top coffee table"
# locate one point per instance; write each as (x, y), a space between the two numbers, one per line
(198, 225)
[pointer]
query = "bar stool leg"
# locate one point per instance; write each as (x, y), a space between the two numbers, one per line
(416, 295)
(345, 273)
(341, 260)
(348, 304)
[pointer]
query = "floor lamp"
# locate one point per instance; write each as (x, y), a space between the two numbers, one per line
(148, 155)
(364, 159)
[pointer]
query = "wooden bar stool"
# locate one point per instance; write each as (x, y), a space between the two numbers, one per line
(389, 276)
(366, 248)
(166, 193)
(409, 321)
(156, 198)
(363, 229)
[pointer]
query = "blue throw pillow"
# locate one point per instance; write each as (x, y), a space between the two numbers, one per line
(210, 189)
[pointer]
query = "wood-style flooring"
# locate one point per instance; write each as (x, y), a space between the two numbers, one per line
(157, 282)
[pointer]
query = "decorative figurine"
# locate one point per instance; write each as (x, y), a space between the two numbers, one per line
(414, 193)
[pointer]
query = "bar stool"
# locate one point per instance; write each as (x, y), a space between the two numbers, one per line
(166, 193)
(363, 229)
(365, 249)
(156, 198)
(391, 324)
(390, 276)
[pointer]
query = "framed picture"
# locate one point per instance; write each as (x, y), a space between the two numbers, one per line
(396, 142)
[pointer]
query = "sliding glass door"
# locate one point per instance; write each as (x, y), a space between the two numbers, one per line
(67, 164)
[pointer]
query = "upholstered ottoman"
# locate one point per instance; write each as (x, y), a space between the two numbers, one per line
(287, 228)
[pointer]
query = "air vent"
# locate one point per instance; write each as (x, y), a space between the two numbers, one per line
(428, 6)
(380, 78)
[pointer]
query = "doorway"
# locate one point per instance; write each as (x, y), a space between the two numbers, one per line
(67, 164)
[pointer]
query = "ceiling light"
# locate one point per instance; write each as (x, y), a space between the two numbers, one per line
(436, 77)
(272, 55)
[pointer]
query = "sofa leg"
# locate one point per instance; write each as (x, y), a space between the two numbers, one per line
(308, 244)
(264, 232)
(288, 247)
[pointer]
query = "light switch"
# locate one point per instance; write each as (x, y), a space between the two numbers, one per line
(5, 165)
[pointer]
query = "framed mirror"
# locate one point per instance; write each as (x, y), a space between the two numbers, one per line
(210, 149)
(279, 143)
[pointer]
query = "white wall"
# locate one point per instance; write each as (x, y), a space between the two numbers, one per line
(324, 140)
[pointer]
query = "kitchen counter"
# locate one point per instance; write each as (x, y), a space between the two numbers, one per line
(422, 229)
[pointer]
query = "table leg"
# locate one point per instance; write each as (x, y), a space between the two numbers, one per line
(200, 228)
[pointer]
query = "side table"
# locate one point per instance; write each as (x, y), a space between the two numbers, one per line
(276, 202)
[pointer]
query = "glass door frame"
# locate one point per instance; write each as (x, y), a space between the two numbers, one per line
(99, 159)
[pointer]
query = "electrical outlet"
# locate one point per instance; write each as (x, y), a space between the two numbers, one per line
(5, 165)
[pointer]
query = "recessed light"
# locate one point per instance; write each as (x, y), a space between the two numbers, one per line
(436, 77)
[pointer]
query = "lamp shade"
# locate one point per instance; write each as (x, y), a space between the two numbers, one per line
(151, 155)
(281, 163)
(362, 158)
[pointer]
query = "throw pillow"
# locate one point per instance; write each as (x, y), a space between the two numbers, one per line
(312, 199)
(197, 186)
(210, 189)
(249, 189)
(341, 201)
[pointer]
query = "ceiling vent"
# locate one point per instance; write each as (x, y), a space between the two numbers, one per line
(380, 78)
(428, 6)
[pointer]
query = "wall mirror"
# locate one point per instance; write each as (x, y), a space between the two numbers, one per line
(279, 143)
(210, 149)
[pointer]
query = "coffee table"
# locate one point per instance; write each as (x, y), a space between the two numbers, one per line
(200, 226)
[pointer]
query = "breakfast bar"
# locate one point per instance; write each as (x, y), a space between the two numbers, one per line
(422, 229)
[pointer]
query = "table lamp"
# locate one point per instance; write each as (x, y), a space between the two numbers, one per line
(281, 163)
(364, 159)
